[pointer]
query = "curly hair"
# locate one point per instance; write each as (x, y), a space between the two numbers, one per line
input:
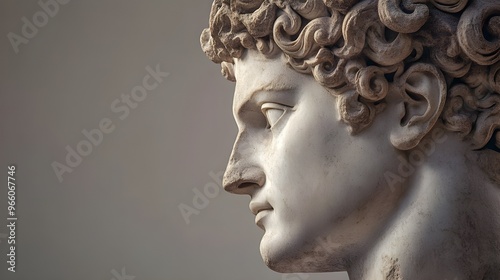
(358, 47)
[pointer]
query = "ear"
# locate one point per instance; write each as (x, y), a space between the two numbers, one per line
(423, 91)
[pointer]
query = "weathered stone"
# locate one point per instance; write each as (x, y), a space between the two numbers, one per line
(368, 133)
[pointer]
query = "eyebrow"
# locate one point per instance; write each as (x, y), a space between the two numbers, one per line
(277, 92)
(275, 85)
(272, 86)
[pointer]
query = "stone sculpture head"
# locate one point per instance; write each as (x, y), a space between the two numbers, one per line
(367, 132)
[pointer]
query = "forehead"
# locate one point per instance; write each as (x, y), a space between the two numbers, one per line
(254, 72)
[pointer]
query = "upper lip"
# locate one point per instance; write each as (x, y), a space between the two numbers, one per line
(256, 206)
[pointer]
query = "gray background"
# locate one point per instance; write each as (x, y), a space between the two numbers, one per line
(118, 209)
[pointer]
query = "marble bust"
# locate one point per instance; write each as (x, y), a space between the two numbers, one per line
(367, 133)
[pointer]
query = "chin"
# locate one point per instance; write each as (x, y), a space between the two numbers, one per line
(290, 256)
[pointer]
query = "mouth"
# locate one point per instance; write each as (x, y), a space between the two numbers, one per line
(260, 210)
(260, 216)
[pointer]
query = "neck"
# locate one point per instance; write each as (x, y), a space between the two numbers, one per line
(448, 226)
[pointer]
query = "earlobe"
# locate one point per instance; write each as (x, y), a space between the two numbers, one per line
(423, 94)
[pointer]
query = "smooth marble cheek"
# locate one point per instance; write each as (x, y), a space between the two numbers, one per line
(295, 190)
(321, 196)
(300, 194)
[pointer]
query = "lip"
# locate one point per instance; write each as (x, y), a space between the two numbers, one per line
(260, 210)
(260, 216)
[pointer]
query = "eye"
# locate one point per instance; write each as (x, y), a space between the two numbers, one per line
(273, 112)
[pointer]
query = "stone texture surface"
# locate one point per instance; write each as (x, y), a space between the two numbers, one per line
(367, 133)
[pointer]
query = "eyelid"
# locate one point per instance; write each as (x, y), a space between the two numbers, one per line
(274, 106)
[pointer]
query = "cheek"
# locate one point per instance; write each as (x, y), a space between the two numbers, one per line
(316, 162)
(304, 156)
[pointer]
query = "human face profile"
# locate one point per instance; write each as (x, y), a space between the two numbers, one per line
(309, 179)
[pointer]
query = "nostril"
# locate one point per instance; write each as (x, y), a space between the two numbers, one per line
(244, 181)
(241, 187)
(246, 185)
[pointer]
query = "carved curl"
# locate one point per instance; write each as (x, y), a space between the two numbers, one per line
(358, 47)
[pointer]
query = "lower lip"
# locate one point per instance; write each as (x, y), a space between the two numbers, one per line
(260, 216)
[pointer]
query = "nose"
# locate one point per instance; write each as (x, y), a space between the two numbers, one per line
(242, 175)
(243, 180)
